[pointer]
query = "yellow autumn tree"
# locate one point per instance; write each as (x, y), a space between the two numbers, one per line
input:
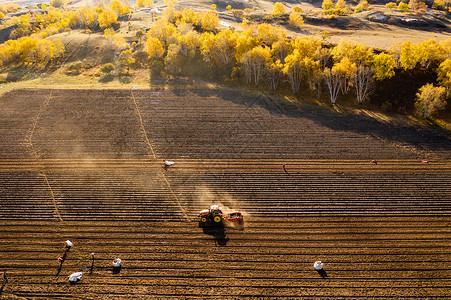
(84, 17)
(254, 63)
(173, 61)
(362, 6)
(327, 5)
(207, 44)
(154, 48)
(23, 26)
(189, 16)
(407, 55)
(273, 73)
(298, 68)
(245, 42)
(357, 53)
(308, 46)
(209, 20)
(444, 74)
(278, 10)
(340, 7)
(143, 3)
(444, 49)
(429, 100)
(107, 18)
(126, 59)
(225, 46)
(428, 52)
(383, 65)
(293, 69)
(280, 50)
(347, 69)
(268, 34)
(163, 31)
(296, 19)
(30, 50)
(169, 12)
(189, 42)
(119, 8)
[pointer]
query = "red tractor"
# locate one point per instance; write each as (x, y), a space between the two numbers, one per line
(214, 217)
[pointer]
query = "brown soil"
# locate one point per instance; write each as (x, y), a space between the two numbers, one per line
(86, 165)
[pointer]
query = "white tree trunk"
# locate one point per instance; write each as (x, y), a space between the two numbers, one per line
(334, 82)
(362, 83)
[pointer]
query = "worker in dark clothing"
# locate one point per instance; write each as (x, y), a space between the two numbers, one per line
(283, 167)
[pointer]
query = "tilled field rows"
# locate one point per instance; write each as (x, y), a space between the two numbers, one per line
(87, 166)
(177, 194)
(196, 124)
(227, 124)
(364, 257)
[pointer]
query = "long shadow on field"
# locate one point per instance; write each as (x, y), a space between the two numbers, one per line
(218, 234)
(421, 138)
(322, 273)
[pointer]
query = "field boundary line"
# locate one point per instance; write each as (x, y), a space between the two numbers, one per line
(175, 196)
(142, 125)
(35, 123)
(154, 156)
(35, 153)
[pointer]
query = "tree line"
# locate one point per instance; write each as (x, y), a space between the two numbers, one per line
(262, 54)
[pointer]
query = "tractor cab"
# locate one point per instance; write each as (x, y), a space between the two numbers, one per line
(211, 217)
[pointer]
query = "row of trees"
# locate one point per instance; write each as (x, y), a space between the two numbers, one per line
(56, 19)
(30, 50)
(264, 55)
(30, 45)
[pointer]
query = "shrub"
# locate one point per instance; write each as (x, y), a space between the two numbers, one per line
(58, 3)
(403, 7)
(278, 10)
(362, 6)
(107, 69)
(296, 19)
(391, 5)
(237, 13)
(75, 68)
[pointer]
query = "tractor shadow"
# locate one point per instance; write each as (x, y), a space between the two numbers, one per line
(218, 233)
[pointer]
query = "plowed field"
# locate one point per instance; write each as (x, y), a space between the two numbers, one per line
(87, 165)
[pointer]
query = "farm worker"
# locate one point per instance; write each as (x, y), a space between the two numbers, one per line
(117, 265)
(168, 163)
(68, 244)
(374, 161)
(74, 277)
(117, 262)
(318, 265)
(283, 167)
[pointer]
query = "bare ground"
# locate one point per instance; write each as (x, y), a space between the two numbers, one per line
(87, 166)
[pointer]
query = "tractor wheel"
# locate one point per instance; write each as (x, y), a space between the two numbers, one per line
(217, 219)
(203, 220)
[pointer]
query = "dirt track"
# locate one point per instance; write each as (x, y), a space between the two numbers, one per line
(87, 166)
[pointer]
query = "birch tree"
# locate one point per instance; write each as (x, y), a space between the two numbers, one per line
(254, 62)
(333, 80)
(273, 74)
(362, 82)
